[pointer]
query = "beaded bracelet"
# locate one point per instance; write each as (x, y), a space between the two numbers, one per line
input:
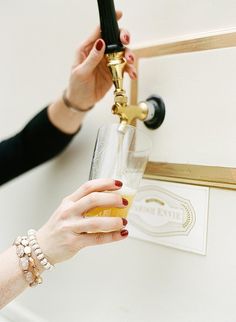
(26, 261)
(37, 251)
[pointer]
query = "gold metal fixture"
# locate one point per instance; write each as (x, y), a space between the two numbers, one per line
(127, 113)
(153, 112)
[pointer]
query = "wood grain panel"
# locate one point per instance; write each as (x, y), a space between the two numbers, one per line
(211, 176)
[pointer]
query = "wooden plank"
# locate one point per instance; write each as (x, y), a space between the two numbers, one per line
(188, 46)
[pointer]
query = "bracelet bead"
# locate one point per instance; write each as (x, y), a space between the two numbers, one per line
(47, 266)
(37, 251)
(40, 256)
(35, 246)
(44, 261)
(26, 262)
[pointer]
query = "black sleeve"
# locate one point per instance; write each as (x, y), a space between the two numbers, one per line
(38, 142)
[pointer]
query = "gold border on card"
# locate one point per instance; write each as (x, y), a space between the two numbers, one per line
(210, 176)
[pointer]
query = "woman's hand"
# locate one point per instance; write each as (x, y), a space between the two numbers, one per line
(68, 230)
(90, 78)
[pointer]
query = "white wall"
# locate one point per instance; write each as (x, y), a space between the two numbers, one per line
(131, 281)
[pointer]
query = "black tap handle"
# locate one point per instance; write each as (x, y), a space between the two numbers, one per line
(109, 26)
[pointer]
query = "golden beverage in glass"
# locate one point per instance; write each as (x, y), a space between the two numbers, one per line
(120, 155)
(114, 212)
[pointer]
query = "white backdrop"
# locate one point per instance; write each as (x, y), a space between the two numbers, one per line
(131, 281)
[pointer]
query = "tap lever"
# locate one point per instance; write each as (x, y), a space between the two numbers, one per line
(151, 111)
(109, 26)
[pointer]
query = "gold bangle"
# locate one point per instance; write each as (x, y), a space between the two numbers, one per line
(71, 106)
(26, 261)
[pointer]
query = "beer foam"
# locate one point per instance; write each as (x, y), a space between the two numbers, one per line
(127, 191)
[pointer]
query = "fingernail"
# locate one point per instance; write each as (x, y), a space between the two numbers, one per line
(118, 183)
(131, 58)
(125, 221)
(134, 75)
(125, 202)
(124, 232)
(99, 45)
(127, 38)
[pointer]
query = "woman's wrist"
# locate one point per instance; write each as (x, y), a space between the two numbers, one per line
(38, 251)
(72, 106)
(27, 262)
(64, 118)
(32, 259)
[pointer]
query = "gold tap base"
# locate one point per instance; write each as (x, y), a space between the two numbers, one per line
(116, 63)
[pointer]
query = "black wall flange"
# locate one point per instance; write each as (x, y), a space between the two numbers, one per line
(159, 111)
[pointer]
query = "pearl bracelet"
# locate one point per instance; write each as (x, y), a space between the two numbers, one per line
(26, 261)
(37, 251)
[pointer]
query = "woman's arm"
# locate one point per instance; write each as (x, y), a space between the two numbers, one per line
(65, 119)
(38, 142)
(67, 231)
(50, 131)
(89, 81)
(12, 281)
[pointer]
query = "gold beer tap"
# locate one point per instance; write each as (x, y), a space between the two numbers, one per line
(151, 111)
(127, 113)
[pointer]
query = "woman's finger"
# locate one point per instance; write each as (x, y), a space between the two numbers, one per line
(98, 199)
(101, 238)
(124, 36)
(95, 185)
(97, 33)
(93, 58)
(131, 70)
(86, 46)
(99, 224)
(129, 56)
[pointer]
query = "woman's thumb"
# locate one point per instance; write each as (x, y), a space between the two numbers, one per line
(95, 56)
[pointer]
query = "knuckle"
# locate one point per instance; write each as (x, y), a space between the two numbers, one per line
(93, 198)
(63, 227)
(115, 225)
(65, 200)
(78, 72)
(119, 223)
(114, 236)
(65, 212)
(69, 241)
(71, 245)
(99, 237)
(93, 226)
(79, 49)
(117, 199)
(86, 187)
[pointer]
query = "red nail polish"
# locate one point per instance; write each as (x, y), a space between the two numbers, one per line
(124, 232)
(125, 221)
(131, 58)
(118, 183)
(99, 45)
(127, 38)
(125, 202)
